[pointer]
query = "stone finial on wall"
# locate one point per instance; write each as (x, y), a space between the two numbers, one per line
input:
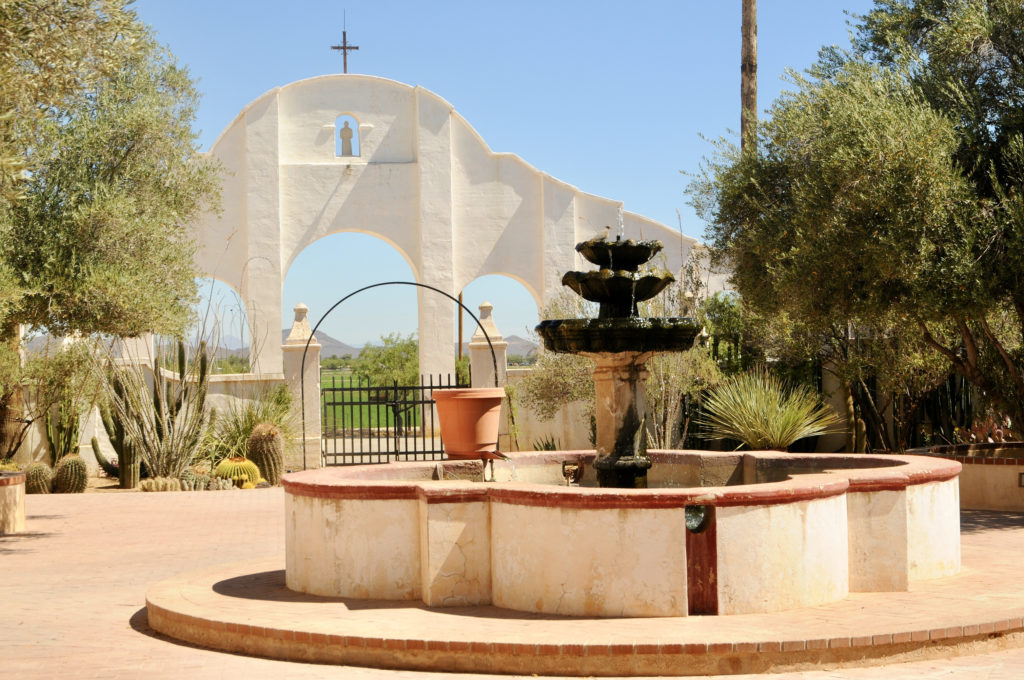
(300, 331)
(481, 366)
(303, 381)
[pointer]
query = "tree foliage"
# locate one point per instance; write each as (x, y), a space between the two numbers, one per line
(559, 379)
(51, 52)
(885, 194)
(99, 174)
(98, 238)
(396, 359)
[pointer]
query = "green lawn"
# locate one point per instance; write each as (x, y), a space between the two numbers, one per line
(356, 405)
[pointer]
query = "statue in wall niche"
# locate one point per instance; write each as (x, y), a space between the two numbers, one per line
(346, 140)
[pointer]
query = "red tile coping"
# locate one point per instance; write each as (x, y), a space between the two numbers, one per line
(838, 474)
(978, 460)
(986, 453)
(11, 478)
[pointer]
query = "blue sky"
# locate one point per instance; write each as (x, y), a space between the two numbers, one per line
(615, 98)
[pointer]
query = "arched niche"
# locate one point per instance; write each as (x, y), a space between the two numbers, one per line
(346, 136)
(338, 264)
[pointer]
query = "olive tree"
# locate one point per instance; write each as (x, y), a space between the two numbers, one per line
(99, 239)
(884, 193)
(395, 359)
(99, 176)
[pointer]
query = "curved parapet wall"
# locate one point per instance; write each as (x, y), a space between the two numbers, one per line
(780, 531)
(993, 474)
(423, 181)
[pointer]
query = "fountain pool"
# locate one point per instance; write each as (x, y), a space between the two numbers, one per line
(771, 531)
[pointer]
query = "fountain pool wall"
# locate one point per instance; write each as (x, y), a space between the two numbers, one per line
(782, 531)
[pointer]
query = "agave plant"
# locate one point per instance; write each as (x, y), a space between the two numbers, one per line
(766, 412)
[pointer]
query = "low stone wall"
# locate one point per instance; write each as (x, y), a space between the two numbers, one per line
(991, 477)
(419, 531)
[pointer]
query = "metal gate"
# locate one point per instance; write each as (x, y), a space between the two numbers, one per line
(363, 423)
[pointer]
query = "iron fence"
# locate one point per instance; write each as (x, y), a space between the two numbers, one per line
(363, 423)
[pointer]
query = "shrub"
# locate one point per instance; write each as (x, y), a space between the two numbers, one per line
(766, 412)
(228, 437)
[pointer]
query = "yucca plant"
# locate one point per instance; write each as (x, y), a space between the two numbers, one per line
(766, 412)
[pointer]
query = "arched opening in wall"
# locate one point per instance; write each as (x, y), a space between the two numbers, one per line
(222, 321)
(346, 136)
(340, 264)
(515, 314)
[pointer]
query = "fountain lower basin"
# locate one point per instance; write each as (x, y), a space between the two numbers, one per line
(782, 531)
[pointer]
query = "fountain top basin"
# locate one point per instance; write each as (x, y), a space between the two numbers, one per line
(622, 255)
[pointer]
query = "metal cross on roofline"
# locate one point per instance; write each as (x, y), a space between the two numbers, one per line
(344, 47)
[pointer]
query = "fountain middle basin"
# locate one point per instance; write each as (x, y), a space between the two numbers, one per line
(780, 531)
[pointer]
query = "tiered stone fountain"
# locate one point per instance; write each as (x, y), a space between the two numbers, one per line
(778, 531)
(620, 342)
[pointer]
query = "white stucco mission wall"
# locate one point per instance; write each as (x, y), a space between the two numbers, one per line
(424, 181)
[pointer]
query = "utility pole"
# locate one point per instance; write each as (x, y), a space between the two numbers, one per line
(748, 72)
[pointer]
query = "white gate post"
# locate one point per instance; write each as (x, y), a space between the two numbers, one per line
(481, 368)
(303, 380)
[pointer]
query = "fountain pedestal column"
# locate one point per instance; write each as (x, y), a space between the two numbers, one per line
(620, 405)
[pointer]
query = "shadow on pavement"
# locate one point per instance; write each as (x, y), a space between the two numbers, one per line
(974, 521)
(10, 543)
(269, 586)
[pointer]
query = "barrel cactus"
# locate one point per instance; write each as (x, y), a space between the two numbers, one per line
(239, 470)
(70, 475)
(266, 449)
(38, 478)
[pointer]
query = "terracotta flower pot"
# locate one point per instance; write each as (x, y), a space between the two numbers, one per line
(469, 420)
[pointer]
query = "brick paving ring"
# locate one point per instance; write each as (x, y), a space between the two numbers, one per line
(432, 533)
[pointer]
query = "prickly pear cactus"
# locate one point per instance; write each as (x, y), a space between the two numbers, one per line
(266, 449)
(239, 470)
(38, 478)
(70, 475)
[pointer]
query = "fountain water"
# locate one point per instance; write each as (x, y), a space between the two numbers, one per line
(620, 342)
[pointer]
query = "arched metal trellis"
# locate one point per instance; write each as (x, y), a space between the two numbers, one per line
(302, 365)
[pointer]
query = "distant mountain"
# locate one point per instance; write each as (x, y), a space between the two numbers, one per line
(516, 346)
(329, 347)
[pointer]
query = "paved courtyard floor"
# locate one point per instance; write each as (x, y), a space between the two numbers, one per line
(74, 584)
